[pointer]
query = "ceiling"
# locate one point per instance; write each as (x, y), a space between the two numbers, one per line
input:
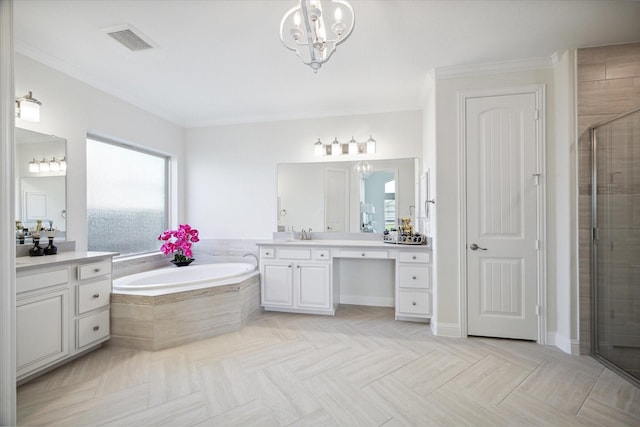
(221, 62)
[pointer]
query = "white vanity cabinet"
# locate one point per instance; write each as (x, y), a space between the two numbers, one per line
(413, 285)
(62, 308)
(42, 319)
(296, 280)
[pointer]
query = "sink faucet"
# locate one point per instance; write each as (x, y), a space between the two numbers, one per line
(305, 235)
(253, 255)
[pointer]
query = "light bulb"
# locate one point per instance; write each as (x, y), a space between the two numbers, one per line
(338, 14)
(296, 19)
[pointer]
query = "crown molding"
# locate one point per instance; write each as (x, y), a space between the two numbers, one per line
(470, 70)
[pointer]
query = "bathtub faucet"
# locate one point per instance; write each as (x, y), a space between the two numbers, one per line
(253, 255)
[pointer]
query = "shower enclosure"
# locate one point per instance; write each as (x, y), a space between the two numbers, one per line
(616, 243)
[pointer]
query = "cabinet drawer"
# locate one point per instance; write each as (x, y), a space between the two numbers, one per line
(414, 277)
(93, 295)
(267, 252)
(414, 302)
(93, 328)
(284, 253)
(364, 254)
(87, 271)
(323, 254)
(423, 257)
(41, 280)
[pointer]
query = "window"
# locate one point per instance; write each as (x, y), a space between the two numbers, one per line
(127, 200)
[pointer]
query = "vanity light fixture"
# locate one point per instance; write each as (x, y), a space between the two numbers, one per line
(44, 165)
(314, 28)
(28, 108)
(54, 165)
(34, 166)
(337, 148)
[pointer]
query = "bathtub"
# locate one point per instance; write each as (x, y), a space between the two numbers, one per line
(180, 279)
(172, 306)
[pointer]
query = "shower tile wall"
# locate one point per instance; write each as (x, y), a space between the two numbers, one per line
(608, 85)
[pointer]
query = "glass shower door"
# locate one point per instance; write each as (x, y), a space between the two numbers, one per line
(616, 263)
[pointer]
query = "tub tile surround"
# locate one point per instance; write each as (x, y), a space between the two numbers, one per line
(158, 322)
(608, 85)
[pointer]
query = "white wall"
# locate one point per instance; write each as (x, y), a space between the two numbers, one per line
(447, 222)
(566, 280)
(71, 109)
(231, 185)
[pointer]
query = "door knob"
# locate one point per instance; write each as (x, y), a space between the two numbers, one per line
(475, 247)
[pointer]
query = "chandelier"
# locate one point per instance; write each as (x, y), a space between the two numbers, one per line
(314, 28)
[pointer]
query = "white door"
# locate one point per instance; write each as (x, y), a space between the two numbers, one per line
(502, 231)
(336, 200)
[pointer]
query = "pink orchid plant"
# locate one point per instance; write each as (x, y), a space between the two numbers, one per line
(179, 242)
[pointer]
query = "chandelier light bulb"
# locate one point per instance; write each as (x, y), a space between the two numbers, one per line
(338, 14)
(297, 20)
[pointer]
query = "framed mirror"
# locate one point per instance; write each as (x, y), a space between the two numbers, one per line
(40, 187)
(346, 196)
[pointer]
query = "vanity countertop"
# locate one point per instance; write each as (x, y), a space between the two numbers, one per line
(343, 244)
(26, 262)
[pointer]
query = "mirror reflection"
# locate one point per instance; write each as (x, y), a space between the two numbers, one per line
(353, 196)
(40, 187)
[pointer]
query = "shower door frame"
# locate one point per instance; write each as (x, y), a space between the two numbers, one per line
(594, 249)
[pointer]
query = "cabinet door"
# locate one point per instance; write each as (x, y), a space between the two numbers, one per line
(42, 330)
(277, 285)
(313, 285)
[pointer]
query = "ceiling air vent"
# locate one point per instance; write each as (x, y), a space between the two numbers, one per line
(130, 38)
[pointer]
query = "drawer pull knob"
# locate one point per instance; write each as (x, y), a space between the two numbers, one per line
(413, 303)
(363, 254)
(297, 266)
(96, 295)
(96, 270)
(321, 255)
(289, 266)
(414, 257)
(414, 277)
(95, 328)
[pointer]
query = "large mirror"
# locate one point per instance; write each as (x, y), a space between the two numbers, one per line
(41, 181)
(347, 196)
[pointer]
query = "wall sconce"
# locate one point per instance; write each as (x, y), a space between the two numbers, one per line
(28, 108)
(337, 148)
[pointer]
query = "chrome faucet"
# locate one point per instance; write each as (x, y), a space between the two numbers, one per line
(253, 255)
(305, 235)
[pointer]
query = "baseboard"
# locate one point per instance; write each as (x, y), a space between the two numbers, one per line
(364, 300)
(575, 347)
(563, 343)
(441, 329)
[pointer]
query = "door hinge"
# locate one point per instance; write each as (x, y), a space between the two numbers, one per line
(596, 233)
(536, 114)
(538, 244)
(538, 310)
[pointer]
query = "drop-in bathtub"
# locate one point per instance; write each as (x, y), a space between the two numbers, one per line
(171, 306)
(180, 279)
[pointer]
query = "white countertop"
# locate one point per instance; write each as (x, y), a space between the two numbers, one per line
(26, 262)
(343, 244)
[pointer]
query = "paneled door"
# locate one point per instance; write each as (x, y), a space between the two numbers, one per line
(502, 224)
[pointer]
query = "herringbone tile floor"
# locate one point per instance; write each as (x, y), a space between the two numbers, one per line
(359, 368)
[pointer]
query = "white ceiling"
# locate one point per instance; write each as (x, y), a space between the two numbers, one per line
(222, 61)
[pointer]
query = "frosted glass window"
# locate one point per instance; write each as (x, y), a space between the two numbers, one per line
(126, 198)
